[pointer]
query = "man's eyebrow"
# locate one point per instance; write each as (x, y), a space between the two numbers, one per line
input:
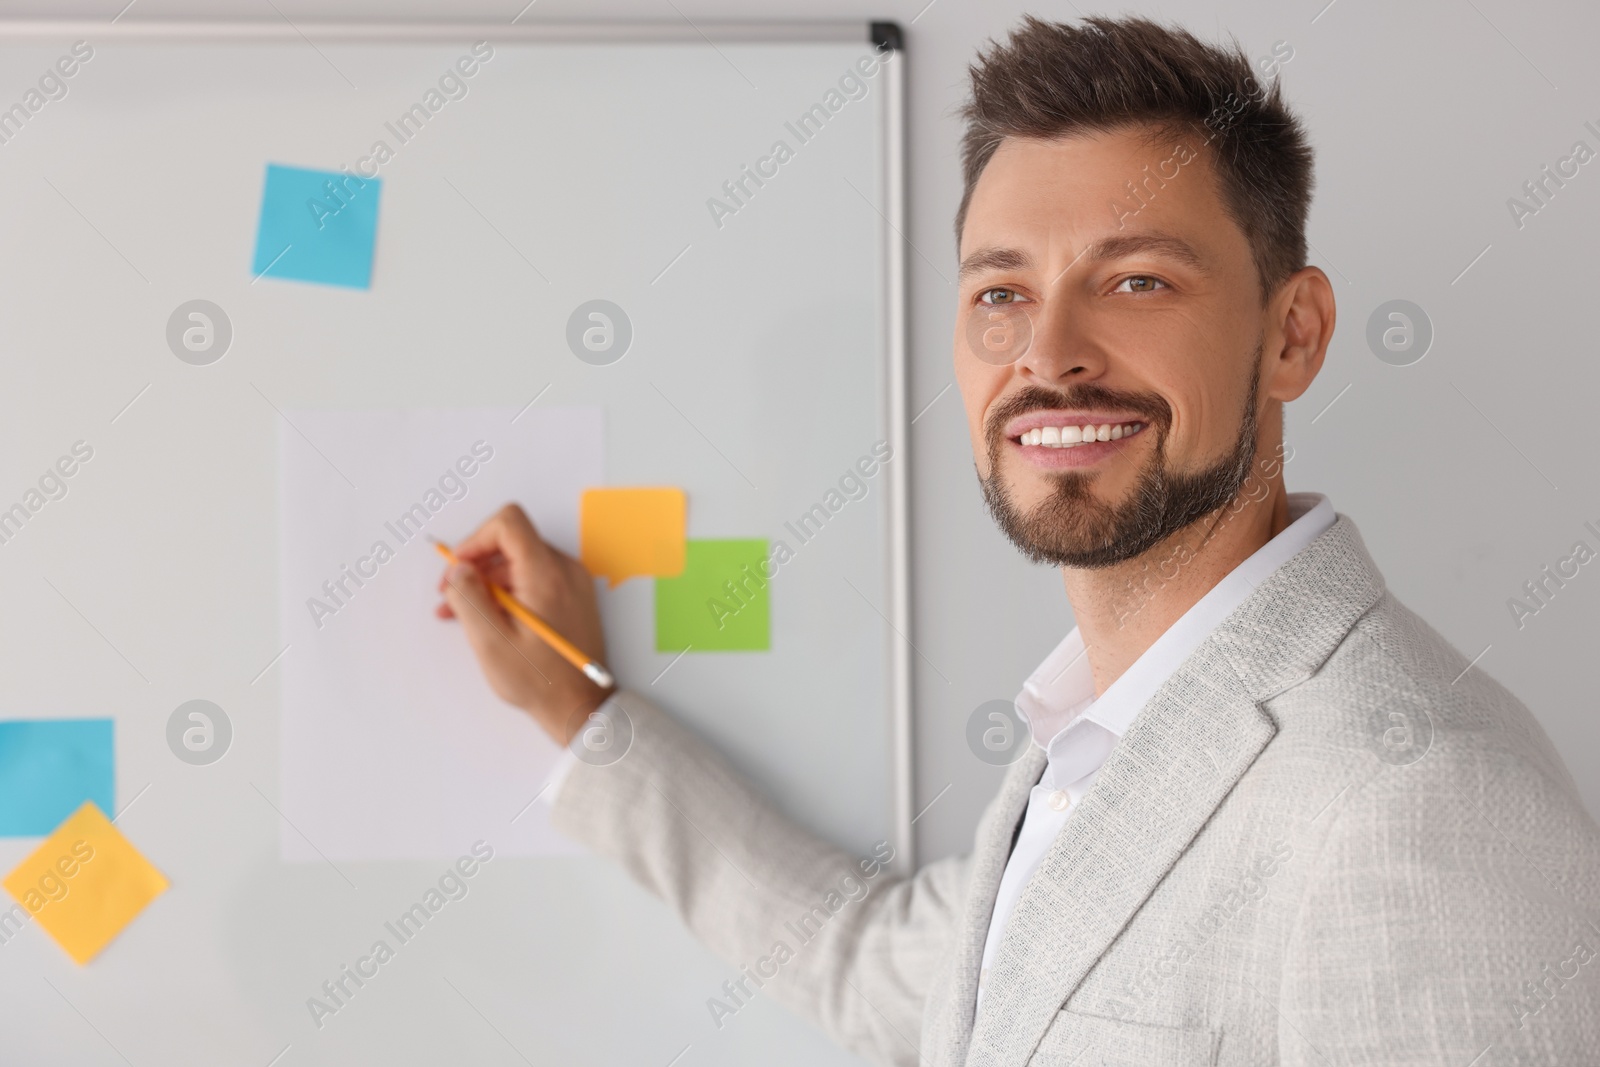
(1107, 248)
(985, 259)
(1157, 244)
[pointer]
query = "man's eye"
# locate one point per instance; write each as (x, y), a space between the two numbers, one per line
(1139, 283)
(1000, 296)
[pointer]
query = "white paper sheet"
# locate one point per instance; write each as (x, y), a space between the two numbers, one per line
(392, 744)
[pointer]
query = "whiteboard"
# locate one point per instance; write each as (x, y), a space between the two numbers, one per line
(766, 357)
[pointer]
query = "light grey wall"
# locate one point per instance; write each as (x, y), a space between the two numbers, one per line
(1467, 472)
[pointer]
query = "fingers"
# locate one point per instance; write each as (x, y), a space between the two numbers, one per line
(508, 550)
(469, 600)
(510, 660)
(508, 532)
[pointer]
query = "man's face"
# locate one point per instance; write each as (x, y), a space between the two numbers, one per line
(1138, 313)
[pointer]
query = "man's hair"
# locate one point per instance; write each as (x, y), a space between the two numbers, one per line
(1108, 74)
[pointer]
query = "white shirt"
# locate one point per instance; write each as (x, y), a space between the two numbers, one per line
(1078, 731)
(558, 773)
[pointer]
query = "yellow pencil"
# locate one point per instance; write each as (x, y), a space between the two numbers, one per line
(569, 652)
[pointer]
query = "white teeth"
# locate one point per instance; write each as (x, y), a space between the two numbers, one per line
(1071, 436)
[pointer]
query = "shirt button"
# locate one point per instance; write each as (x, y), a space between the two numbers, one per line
(1059, 800)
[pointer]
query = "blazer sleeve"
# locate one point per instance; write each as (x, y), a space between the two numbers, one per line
(1448, 917)
(859, 946)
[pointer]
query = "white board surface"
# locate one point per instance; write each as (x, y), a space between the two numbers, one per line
(759, 372)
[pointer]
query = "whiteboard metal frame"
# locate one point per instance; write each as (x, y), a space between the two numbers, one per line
(897, 302)
(821, 31)
(895, 294)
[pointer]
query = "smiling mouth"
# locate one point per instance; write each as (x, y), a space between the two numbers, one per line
(1073, 436)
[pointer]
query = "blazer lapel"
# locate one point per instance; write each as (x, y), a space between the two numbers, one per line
(952, 1026)
(1178, 761)
(1179, 758)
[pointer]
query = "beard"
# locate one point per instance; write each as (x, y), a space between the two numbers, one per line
(1070, 527)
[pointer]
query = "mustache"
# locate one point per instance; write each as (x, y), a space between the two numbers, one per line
(1155, 410)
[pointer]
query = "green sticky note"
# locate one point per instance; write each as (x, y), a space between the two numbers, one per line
(719, 603)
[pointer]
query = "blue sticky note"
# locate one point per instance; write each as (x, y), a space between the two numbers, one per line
(317, 226)
(48, 768)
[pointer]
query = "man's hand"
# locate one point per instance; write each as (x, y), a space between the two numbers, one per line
(520, 667)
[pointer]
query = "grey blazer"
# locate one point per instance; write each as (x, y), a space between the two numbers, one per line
(1324, 841)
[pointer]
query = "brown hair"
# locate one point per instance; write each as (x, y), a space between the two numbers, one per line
(1057, 79)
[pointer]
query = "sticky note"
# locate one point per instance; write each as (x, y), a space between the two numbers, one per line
(85, 883)
(317, 226)
(627, 533)
(50, 766)
(718, 603)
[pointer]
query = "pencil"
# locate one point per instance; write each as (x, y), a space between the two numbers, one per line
(569, 652)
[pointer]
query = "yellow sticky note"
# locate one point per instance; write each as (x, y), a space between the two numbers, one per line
(85, 883)
(628, 533)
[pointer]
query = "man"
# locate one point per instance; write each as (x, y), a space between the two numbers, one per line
(1267, 814)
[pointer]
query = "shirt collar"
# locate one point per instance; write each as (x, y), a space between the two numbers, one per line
(1061, 691)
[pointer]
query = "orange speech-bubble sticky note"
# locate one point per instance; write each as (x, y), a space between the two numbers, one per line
(85, 883)
(628, 533)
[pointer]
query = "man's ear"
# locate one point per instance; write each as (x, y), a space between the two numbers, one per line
(1303, 313)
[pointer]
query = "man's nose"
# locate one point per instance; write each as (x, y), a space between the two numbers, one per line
(1060, 350)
